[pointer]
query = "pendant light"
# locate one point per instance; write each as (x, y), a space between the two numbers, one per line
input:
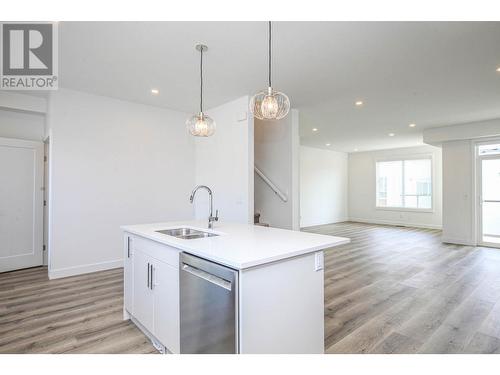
(269, 104)
(201, 125)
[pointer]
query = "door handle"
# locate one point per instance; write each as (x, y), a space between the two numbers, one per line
(151, 282)
(148, 276)
(207, 276)
(128, 247)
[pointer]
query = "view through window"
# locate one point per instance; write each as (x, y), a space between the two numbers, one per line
(404, 183)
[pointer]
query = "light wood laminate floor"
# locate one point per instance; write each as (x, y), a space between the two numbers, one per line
(80, 314)
(400, 290)
(391, 290)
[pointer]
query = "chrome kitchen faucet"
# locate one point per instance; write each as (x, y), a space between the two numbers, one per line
(211, 218)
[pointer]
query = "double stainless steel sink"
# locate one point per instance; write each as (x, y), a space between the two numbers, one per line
(186, 233)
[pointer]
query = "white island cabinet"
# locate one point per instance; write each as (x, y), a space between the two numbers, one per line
(151, 290)
(278, 287)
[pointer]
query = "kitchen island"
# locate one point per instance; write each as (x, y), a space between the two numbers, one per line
(236, 288)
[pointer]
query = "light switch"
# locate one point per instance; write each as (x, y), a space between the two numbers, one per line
(318, 261)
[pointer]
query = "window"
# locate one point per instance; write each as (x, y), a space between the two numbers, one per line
(404, 183)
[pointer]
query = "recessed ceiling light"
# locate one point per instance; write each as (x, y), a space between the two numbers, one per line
(391, 134)
(412, 125)
(356, 150)
(359, 103)
(315, 129)
(328, 144)
(155, 91)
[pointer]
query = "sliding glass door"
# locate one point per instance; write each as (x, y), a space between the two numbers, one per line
(489, 201)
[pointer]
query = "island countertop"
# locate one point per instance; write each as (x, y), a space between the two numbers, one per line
(239, 246)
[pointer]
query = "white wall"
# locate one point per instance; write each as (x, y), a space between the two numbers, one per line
(458, 189)
(277, 156)
(21, 125)
(323, 186)
(362, 189)
(112, 163)
(224, 162)
(459, 176)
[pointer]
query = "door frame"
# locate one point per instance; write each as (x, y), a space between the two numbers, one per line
(46, 199)
(479, 190)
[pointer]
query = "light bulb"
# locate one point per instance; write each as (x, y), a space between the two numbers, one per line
(201, 127)
(269, 107)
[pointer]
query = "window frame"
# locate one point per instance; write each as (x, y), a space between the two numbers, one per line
(402, 159)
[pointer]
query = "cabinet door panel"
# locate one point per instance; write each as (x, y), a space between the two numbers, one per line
(143, 295)
(166, 305)
(128, 275)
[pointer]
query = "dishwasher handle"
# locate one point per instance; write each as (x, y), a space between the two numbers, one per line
(207, 276)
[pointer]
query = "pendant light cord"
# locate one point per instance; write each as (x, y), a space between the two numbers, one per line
(269, 53)
(201, 79)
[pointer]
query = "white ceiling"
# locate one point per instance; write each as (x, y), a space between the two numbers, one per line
(428, 73)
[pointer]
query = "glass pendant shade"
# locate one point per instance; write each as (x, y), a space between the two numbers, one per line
(270, 105)
(200, 125)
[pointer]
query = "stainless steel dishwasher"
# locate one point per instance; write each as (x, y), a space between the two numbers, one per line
(208, 306)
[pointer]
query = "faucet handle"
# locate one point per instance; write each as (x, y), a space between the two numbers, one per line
(216, 218)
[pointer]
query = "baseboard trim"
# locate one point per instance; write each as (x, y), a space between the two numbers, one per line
(309, 225)
(86, 268)
(457, 241)
(397, 223)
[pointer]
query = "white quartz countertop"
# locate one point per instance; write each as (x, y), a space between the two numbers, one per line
(239, 246)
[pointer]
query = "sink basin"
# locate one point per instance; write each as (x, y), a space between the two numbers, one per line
(186, 233)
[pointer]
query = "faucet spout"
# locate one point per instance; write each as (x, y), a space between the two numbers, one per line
(211, 218)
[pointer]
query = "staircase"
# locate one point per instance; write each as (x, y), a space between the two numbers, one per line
(283, 196)
(256, 220)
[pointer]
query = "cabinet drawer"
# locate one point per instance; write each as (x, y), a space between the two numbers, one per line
(164, 253)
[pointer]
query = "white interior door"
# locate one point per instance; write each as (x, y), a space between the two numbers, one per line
(21, 204)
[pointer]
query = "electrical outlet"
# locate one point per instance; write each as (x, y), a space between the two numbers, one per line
(318, 261)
